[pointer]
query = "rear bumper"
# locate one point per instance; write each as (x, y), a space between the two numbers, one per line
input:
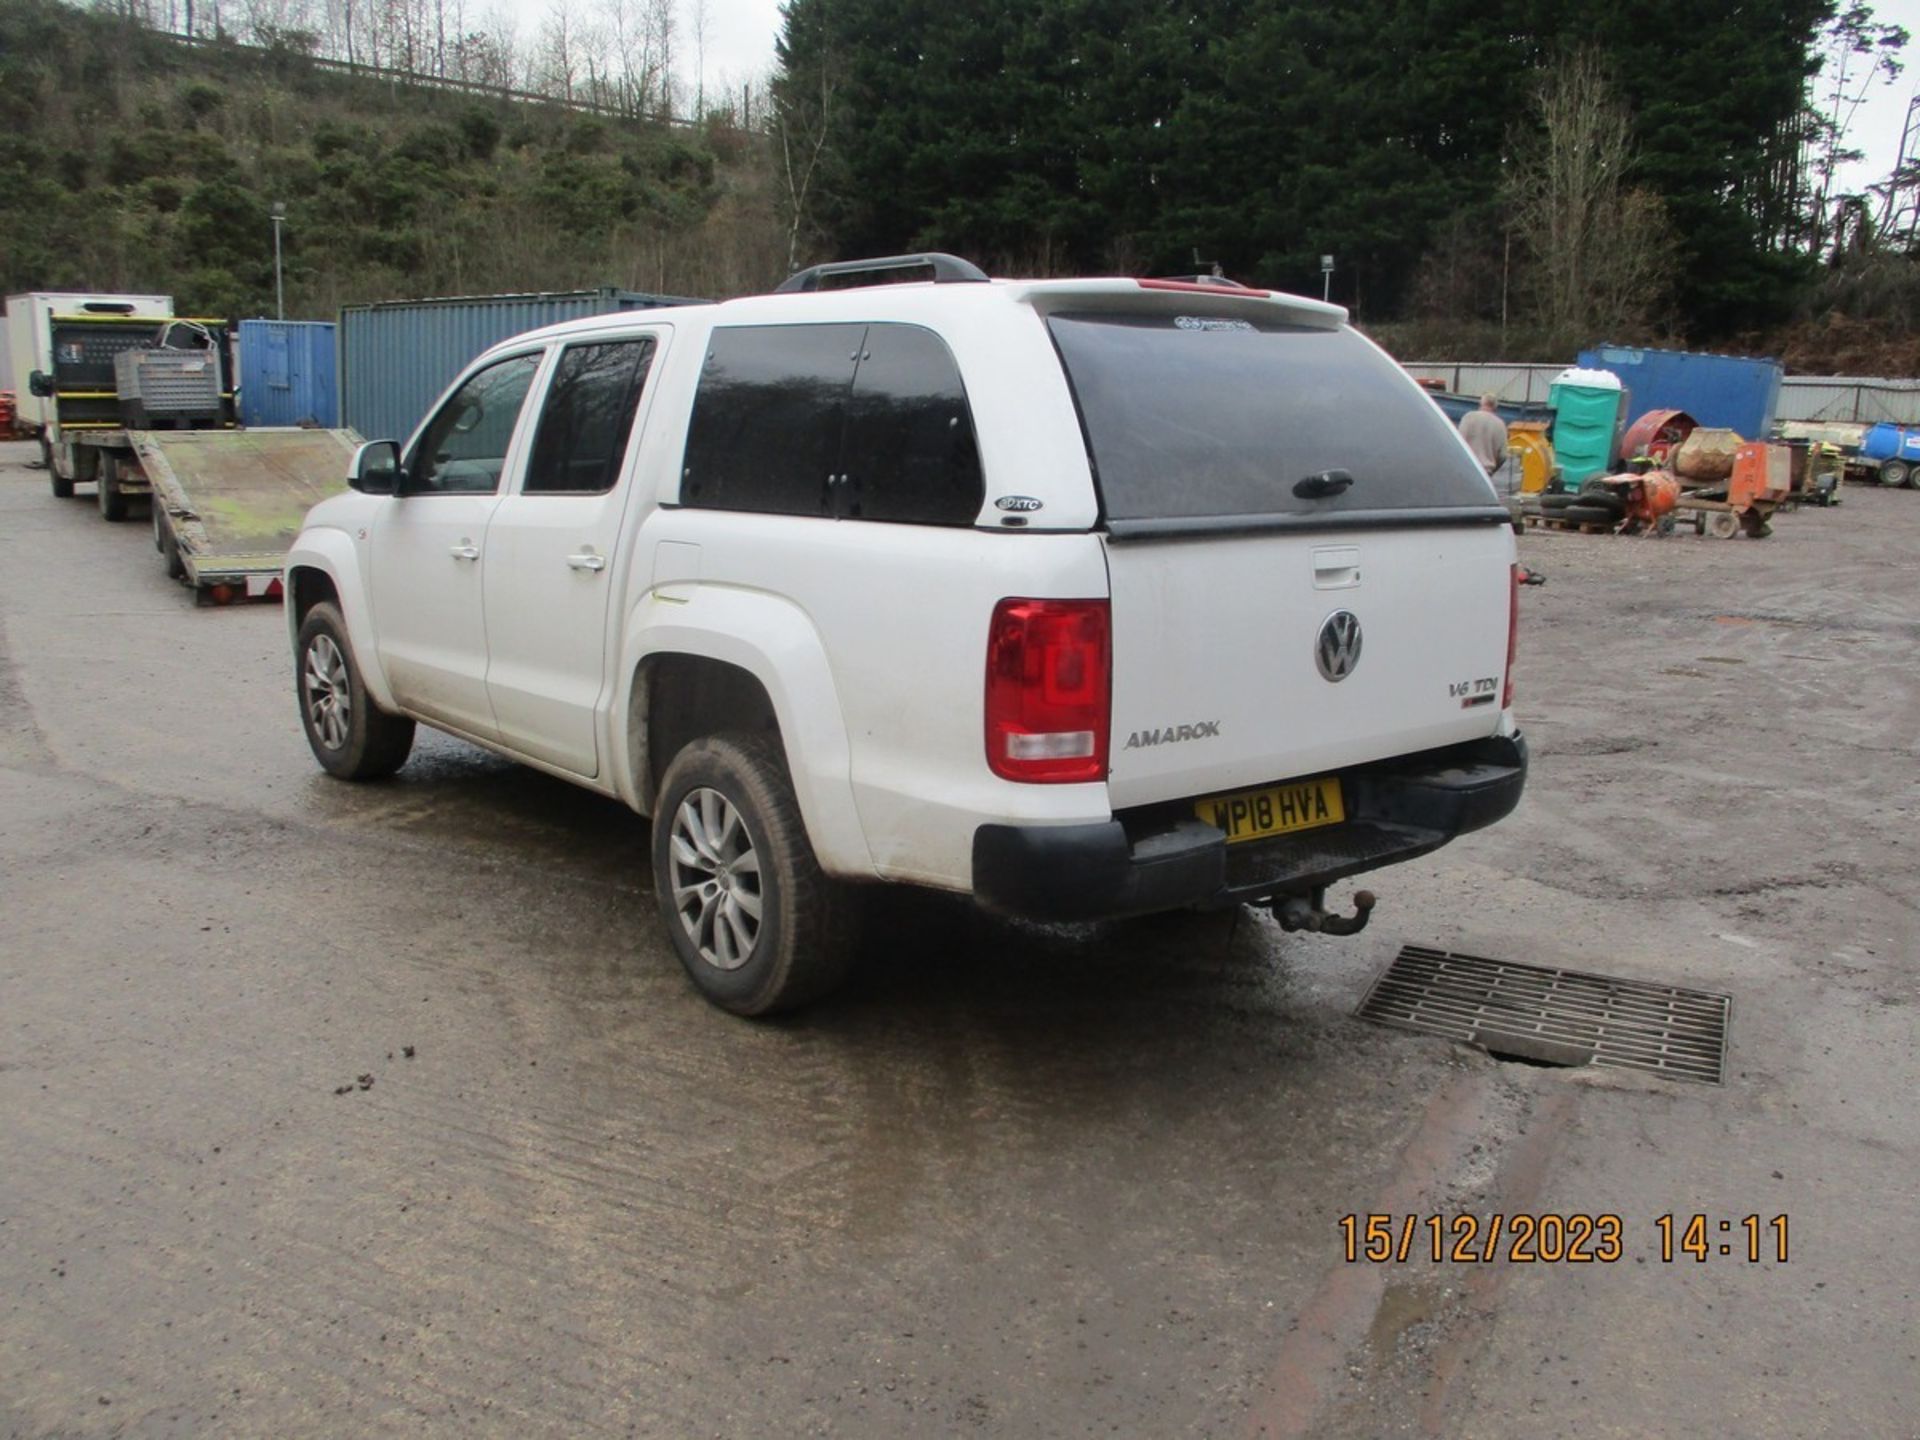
(1165, 858)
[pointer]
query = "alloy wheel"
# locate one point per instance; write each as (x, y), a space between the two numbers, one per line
(716, 879)
(329, 692)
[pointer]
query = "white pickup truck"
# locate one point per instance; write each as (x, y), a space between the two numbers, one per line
(1084, 597)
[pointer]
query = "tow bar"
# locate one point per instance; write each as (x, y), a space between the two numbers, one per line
(1309, 912)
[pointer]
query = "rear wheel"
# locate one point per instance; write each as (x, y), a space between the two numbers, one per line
(757, 924)
(350, 736)
(113, 500)
(1896, 473)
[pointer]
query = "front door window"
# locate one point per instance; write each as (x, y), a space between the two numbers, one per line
(464, 448)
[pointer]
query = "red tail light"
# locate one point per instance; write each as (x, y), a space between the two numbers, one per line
(1513, 636)
(1049, 690)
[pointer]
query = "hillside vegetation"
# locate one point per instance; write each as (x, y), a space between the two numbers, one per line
(136, 162)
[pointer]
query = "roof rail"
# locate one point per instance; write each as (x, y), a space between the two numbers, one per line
(947, 270)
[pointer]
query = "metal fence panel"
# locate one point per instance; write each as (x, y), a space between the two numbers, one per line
(1853, 399)
(1849, 399)
(1505, 382)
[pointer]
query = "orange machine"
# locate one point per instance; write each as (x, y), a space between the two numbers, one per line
(1650, 497)
(1762, 475)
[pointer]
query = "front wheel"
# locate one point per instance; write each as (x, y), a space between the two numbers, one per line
(350, 736)
(757, 924)
(1895, 473)
(62, 484)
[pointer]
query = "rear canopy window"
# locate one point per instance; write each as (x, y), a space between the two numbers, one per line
(1203, 415)
(857, 422)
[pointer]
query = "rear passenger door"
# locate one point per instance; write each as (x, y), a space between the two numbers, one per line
(553, 548)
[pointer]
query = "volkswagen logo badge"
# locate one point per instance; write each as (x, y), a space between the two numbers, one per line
(1337, 650)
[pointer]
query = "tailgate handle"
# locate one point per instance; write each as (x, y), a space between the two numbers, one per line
(1335, 567)
(1327, 482)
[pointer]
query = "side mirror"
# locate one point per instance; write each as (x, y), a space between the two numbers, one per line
(40, 383)
(376, 468)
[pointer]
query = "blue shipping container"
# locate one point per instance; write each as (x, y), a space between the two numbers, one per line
(398, 357)
(287, 373)
(1729, 391)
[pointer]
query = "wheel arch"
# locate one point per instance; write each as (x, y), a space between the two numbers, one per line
(324, 566)
(753, 662)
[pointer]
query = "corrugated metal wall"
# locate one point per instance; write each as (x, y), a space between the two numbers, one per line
(287, 374)
(1856, 399)
(1508, 382)
(397, 358)
(1861, 399)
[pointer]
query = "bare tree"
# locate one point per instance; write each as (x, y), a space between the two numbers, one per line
(1601, 252)
(803, 119)
(662, 28)
(558, 64)
(697, 22)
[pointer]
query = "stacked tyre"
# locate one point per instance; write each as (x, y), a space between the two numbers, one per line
(1596, 503)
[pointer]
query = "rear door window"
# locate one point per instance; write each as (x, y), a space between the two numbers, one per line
(909, 454)
(587, 418)
(1192, 416)
(858, 422)
(768, 416)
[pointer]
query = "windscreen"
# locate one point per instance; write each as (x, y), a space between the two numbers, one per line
(1189, 416)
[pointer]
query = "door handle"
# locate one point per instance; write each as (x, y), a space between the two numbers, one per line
(465, 550)
(587, 560)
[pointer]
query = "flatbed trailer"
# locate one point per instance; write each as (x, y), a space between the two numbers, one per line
(226, 503)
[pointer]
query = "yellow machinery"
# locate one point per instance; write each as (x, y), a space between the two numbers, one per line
(1527, 442)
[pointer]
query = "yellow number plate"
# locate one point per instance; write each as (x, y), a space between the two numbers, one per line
(1276, 810)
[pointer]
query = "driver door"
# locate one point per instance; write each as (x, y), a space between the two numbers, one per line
(427, 543)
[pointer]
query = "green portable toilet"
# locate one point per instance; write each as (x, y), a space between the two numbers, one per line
(1588, 407)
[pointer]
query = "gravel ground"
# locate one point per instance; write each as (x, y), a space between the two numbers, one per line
(359, 1110)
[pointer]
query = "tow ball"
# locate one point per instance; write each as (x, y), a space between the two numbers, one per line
(1309, 912)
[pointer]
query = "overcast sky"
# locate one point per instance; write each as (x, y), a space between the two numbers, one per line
(740, 37)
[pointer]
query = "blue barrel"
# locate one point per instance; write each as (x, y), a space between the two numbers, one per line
(287, 373)
(1891, 442)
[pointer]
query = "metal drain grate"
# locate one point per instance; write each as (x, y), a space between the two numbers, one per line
(1562, 1017)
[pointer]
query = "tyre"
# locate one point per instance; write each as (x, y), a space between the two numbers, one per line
(758, 925)
(1554, 502)
(1590, 514)
(351, 737)
(164, 542)
(1596, 494)
(62, 488)
(113, 500)
(1896, 473)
